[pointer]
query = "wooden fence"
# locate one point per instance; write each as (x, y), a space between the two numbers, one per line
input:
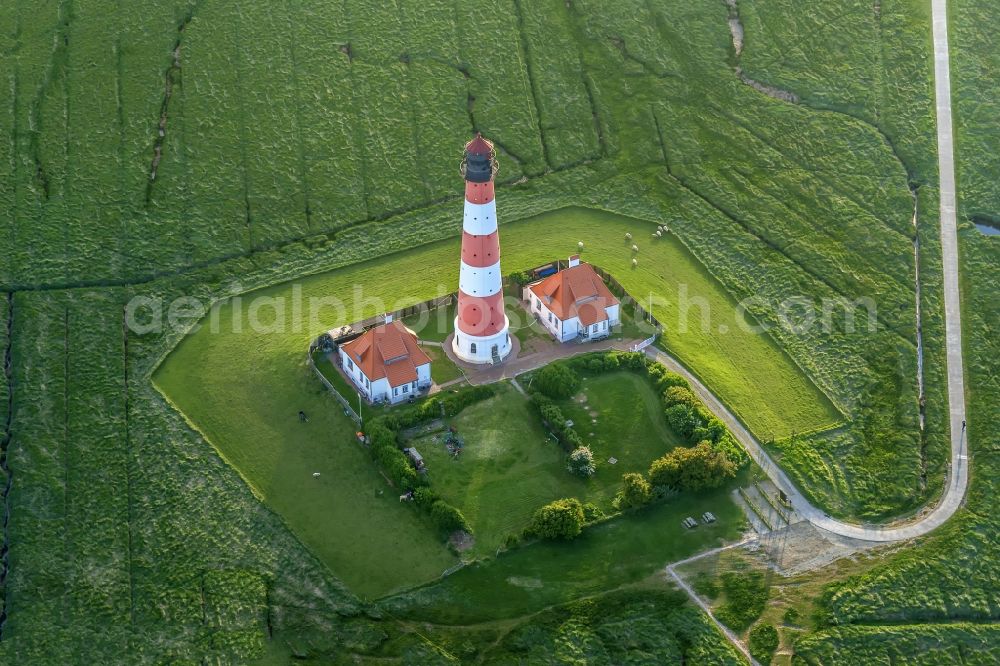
(348, 409)
(626, 299)
(408, 311)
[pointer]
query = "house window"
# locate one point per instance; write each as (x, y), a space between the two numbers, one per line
(472, 348)
(550, 317)
(605, 325)
(406, 388)
(538, 304)
(595, 328)
(350, 366)
(395, 391)
(368, 383)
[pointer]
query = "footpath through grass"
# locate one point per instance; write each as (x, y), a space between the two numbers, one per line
(243, 387)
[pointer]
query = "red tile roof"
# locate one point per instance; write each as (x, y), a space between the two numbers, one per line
(592, 312)
(576, 292)
(479, 146)
(389, 350)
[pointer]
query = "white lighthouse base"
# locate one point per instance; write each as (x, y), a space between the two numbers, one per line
(479, 348)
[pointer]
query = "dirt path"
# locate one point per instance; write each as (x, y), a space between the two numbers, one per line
(958, 473)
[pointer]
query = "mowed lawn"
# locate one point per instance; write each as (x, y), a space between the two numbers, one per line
(617, 552)
(243, 387)
(620, 415)
(510, 466)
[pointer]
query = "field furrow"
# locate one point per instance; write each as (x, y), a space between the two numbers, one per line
(38, 584)
(213, 126)
(566, 117)
(329, 114)
(500, 85)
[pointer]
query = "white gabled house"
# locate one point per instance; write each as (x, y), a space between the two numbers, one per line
(574, 303)
(385, 363)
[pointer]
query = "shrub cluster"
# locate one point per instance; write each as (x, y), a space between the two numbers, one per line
(746, 597)
(602, 362)
(553, 416)
(561, 519)
(636, 491)
(438, 406)
(581, 462)
(557, 381)
(692, 468)
(445, 517)
(391, 458)
(385, 449)
(763, 642)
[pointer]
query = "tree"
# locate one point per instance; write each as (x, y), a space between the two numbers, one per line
(557, 381)
(763, 642)
(683, 419)
(448, 518)
(635, 490)
(692, 468)
(663, 378)
(562, 519)
(680, 395)
(581, 462)
(666, 470)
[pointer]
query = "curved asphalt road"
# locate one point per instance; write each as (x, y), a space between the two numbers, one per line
(958, 475)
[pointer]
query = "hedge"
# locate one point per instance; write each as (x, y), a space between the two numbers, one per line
(385, 450)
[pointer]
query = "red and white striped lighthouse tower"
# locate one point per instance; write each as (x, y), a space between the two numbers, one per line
(481, 334)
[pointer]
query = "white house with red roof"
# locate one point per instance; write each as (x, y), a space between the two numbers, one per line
(574, 303)
(386, 363)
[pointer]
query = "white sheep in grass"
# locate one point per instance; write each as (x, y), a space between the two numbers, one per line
(635, 262)
(628, 236)
(579, 245)
(635, 248)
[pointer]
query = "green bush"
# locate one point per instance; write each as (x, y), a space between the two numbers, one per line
(557, 381)
(692, 468)
(763, 642)
(561, 519)
(581, 462)
(424, 497)
(448, 518)
(635, 491)
(568, 438)
(663, 379)
(683, 419)
(592, 512)
(746, 597)
(706, 585)
(442, 404)
(679, 395)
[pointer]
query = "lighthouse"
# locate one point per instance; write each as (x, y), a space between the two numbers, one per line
(481, 327)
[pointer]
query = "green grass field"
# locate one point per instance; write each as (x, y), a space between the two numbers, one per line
(618, 552)
(620, 415)
(243, 389)
(349, 516)
(304, 137)
(510, 466)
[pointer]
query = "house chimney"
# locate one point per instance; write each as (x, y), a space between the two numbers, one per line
(574, 260)
(388, 318)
